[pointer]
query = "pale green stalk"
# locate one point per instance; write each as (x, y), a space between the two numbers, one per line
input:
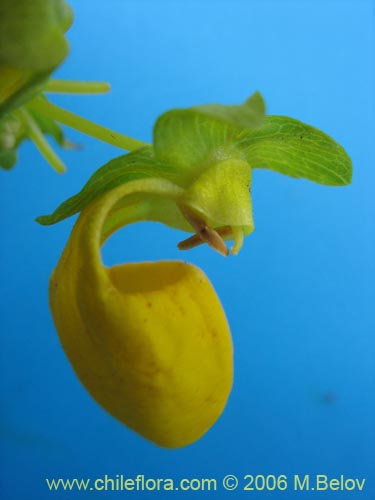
(74, 87)
(85, 126)
(37, 136)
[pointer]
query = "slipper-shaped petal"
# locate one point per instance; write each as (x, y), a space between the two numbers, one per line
(149, 341)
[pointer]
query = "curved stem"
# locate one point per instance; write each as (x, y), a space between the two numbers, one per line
(77, 87)
(88, 127)
(37, 136)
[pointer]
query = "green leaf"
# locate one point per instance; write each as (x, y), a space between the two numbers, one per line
(197, 137)
(298, 150)
(139, 164)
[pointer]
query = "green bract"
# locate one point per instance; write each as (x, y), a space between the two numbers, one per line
(208, 153)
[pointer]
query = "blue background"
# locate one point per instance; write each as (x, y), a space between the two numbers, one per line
(299, 297)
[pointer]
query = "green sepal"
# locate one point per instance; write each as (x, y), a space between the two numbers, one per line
(293, 148)
(198, 137)
(248, 115)
(192, 146)
(139, 164)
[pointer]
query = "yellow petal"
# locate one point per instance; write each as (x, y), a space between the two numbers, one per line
(149, 341)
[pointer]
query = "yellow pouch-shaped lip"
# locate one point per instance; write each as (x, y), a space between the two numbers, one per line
(149, 341)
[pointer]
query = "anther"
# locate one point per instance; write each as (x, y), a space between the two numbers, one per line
(204, 234)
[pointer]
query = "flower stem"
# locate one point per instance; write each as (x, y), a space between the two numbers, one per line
(88, 127)
(37, 136)
(74, 87)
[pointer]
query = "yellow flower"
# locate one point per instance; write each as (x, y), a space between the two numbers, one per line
(149, 341)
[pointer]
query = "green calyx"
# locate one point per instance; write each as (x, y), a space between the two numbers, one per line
(207, 154)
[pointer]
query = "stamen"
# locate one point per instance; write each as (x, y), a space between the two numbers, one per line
(204, 232)
(195, 240)
(214, 240)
